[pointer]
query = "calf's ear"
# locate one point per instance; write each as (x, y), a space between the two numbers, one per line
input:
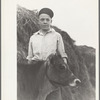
(50, 59)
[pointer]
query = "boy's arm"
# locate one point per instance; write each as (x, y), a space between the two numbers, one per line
(61, 49)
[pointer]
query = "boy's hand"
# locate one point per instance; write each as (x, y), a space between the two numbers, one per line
(65, 60)
(29, 61)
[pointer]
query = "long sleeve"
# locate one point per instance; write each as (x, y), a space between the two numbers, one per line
(60, 47)
(30, 50)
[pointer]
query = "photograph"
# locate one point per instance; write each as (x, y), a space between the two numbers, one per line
(56, 51)
(50, 50)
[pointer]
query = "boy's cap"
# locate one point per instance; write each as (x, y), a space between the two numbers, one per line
(46, 11)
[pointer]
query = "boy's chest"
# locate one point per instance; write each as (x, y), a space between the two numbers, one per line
(44, 40)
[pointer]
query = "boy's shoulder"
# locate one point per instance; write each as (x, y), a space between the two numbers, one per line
(34, 34)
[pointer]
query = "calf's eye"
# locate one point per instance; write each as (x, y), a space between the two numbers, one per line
(62, 67)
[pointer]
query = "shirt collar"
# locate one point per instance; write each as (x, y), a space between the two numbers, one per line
(40, 33)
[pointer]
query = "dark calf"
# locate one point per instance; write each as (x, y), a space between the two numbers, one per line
(31, 78)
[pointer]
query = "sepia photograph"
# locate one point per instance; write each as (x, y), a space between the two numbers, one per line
(54, 51)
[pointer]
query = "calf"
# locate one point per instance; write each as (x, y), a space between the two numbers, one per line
(36, 81)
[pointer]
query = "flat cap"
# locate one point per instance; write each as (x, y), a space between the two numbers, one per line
(46, 11)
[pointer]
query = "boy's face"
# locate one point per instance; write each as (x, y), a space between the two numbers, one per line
(45, 21)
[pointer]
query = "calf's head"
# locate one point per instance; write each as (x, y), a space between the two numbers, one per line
(59, 73)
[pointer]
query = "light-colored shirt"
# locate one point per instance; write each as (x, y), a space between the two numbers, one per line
(42, 45)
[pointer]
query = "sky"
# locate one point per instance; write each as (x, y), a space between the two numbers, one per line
(79, 18)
